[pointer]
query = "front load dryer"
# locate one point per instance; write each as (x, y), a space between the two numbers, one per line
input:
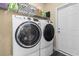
(26, 36)
(47, 38)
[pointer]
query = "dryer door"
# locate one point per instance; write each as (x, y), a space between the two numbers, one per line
(28, 34)
(49, 32)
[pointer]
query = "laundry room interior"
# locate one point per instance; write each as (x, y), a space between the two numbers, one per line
(39, 29)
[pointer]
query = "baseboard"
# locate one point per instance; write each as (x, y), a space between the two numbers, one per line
(67, 54)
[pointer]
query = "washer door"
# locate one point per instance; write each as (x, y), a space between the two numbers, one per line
(49, 32)
(28, 34)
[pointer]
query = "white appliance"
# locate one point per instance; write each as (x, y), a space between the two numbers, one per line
(26, 36)
(47, 38)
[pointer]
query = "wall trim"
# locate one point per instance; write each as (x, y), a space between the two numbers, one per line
(65, 53)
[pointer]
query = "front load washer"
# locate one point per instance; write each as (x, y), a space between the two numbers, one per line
(26, 36)
(47, 38)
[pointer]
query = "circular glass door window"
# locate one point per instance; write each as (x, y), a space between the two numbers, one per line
(49, 32)
(28, 34)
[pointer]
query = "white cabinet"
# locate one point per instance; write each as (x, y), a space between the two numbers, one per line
(68, 29)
